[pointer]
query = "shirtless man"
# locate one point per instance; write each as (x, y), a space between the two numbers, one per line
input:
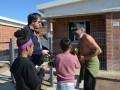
(88, 52)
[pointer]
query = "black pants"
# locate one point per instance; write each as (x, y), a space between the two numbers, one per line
(37, 59)
(89, 81)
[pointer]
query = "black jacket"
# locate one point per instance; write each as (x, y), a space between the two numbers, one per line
(26, 75)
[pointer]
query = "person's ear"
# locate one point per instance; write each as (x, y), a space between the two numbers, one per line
(27, 48)
(70, 47)
(33, 23)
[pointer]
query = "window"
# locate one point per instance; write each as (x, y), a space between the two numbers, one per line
(44, 35)
(44, 24)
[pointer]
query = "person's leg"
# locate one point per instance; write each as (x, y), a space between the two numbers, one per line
(58, 87)
(89, 81)
(65, 86)
(61, 86)
(94, 83)
(70, 86)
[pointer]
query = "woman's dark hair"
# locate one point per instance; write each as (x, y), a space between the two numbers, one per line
(22, 37)
(65, 44)
(33, 17)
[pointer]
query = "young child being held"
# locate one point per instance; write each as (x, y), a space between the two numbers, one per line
(26, 75)
(65, 64)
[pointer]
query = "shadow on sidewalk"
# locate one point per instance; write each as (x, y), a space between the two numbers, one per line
(4, 78)
(6, 83)
(7, 86)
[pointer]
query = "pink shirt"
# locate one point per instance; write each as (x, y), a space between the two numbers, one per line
(66, 63)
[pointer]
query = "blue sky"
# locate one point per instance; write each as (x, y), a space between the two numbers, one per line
(19, 9)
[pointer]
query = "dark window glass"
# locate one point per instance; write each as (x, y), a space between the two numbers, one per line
(43, 24)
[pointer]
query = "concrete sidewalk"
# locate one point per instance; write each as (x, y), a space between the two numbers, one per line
(7, 84)
(46, 81)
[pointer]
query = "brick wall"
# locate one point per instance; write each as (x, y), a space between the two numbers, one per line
(6, 33)
(60, 30)
(110, 43)
(60, 27)
(41, 30)
(113, 41)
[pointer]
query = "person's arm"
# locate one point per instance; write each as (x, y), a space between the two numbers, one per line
(95, 49)
(77, 63)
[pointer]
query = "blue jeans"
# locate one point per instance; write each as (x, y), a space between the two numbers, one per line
(65, 86)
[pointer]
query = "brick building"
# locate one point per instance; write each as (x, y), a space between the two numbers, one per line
(7, 28)
(101, 19)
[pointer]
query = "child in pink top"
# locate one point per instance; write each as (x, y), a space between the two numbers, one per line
(65, 64)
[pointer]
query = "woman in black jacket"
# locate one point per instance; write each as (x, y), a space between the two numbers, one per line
(26, 75)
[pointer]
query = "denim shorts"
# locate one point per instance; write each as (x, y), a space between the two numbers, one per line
(65, 86)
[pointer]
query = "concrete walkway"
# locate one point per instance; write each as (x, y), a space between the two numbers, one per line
(46, 81)
(7, 84)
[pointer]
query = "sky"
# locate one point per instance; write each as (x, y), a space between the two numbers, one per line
(19, 9)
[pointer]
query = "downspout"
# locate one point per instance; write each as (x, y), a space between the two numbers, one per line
(50, 48)
(112, 39)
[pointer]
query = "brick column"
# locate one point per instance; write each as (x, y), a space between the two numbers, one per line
(60, 30)
(112, 41)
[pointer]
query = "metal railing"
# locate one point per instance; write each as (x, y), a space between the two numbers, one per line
(7, 53)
